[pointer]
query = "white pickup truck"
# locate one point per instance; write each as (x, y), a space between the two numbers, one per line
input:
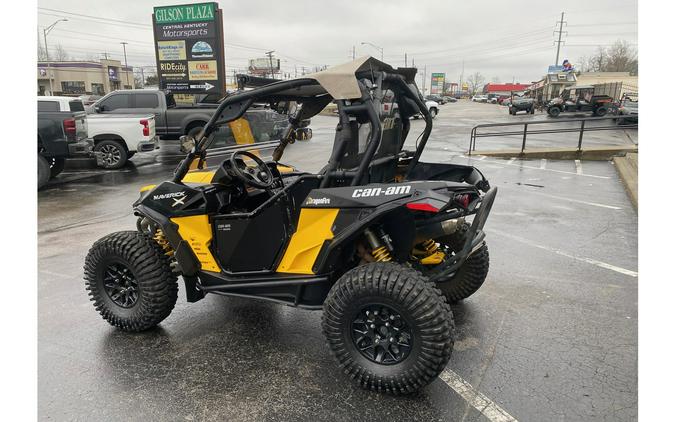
(116, 137)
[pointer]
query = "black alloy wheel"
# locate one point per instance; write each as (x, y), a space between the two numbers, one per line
(120, 285)
(381, 334)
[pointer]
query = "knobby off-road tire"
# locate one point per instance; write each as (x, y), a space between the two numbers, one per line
(43, 171)
(145, 262)
(471, 274)
(419, 309)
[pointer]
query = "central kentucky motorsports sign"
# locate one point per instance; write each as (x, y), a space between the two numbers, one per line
(189, 48)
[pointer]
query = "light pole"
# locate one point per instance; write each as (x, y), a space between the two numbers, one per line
(126, 70)
(46, 31)
(381, 50)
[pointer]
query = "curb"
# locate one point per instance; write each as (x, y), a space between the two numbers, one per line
(627, 167)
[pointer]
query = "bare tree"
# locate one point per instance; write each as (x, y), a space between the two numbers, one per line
(620, 57)
(59, 54)
(476, 82)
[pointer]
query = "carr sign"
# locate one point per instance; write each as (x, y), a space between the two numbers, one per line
(437, 83)
(189, 48)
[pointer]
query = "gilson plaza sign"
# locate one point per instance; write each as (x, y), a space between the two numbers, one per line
(185, 13)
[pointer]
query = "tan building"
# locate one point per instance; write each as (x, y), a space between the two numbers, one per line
(83, 77)
(629, 84)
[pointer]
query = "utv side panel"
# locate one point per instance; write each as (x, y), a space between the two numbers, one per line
(196, 231)
(315, 227)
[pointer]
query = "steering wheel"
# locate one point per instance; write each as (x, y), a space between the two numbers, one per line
(259, 175)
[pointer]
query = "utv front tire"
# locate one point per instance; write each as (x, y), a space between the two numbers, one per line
(471, 274)
(130, 281)
(388, 327)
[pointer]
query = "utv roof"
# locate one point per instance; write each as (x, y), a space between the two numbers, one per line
(341, 81)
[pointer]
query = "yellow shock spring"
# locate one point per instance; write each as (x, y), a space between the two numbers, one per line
(381, 254)
(161, 241)
(430, 246)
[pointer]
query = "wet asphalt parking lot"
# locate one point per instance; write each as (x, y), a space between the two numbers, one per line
(551, 336)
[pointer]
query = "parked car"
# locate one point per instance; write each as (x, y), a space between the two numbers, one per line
(436, 98)
(433, 108)
(171, 120)
(502, 98)
(627, 112)
(479, 98)
(116, 138)
(521, 103)
(579, 99)
(62, 134)
(449, 99)
(492, 98)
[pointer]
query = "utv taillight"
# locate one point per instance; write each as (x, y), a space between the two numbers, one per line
(146, 127)
(463, 200)
(70, 129)
(421, 206)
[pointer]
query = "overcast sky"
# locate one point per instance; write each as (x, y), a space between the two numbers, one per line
(501, 39)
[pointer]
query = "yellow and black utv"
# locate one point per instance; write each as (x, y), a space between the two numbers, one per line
(379, 240)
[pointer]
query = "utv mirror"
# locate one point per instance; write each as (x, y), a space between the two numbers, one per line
(303, 134)
(99, 108)
(186, 143)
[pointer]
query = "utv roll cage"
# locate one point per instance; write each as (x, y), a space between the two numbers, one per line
(374, 79)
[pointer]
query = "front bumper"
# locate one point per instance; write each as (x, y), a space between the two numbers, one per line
(148, 146)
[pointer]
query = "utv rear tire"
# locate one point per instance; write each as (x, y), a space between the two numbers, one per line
(115, 154)
(43, 171)
(414, 305)
(471, 274)
(600, 111)
(144, 267)
(554, 112)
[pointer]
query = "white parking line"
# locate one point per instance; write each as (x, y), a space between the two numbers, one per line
(577, 163)
(475, 398)
(567, 254)
(542, 164)
(521, 165)
(578, 201)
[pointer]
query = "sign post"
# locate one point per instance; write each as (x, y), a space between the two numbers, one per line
(189, 48)
(437, 83)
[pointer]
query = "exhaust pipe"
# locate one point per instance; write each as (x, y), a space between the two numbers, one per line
(435, 230)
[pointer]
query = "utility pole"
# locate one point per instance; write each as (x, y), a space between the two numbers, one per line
(105, 54)
(142, 78)
(49, 73)
(269, 54)
(353, 52)
(126, 65)
(406, 59)
(560, 32)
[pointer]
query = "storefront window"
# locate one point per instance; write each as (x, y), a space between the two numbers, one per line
(72, 87)
(97, 89)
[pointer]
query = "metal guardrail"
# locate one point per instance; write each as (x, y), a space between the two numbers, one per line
(581, 129)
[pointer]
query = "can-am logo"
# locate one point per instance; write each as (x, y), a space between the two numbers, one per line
(391, 190)
(317, 201)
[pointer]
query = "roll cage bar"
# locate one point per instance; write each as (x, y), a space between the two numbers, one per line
(368, 106)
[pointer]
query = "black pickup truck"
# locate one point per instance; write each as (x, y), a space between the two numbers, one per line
(61, 135)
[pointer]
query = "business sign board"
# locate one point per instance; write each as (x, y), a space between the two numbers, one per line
(437, 83)
(189, 48)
